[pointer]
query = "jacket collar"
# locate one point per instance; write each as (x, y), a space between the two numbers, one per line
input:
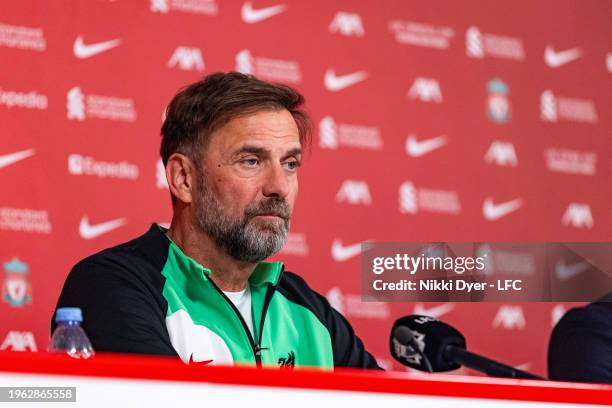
(265, 272)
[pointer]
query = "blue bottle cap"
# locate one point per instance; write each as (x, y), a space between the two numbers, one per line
(69, 314)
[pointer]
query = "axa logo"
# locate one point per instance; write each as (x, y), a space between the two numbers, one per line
(251, 15)
(19, 341)
(354, 192)
(187, 59)
(347, 24)
(16, 289)
(502, 154)
(510, 318)
(82, 50)
(425, 90)
(287, 363)
(578, 215)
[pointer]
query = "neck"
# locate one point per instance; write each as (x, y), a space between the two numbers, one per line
(227, 273)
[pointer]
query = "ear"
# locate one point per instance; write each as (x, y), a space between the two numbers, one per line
(181, 176)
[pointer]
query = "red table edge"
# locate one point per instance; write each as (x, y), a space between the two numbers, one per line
(172, 369)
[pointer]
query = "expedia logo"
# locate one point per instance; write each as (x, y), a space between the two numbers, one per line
(287, 363)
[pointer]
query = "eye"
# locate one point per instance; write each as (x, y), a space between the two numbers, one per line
(292, 165)
(252, 162)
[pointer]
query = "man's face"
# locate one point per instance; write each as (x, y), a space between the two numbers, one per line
(247, 184)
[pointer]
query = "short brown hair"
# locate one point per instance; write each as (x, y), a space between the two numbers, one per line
(200, 108)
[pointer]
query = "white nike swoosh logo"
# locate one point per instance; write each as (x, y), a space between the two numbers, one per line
(343, 253)
(8, 159)
(566, 272)
(335, 83)
(492, 211)
(89, 231)
(556, 59)
(416, 148)
(609, 62)
(252, 16)
(82, 50)
(435, 311)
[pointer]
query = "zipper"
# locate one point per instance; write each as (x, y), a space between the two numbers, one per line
(255, 346)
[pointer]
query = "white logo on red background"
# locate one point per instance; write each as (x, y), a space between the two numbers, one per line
(19, 341)
(80, 107)
(502, 154)
(79, 165)
(433, 311)
(342, 253)
(187, 59)
(418, 148)
(510, 318)
(565, 271)
(12, 158)
(296, 244)
(24, 220)
(481, 45)
(493, 211)
(268, 68)
(556, 314)
(421, 34)
(91, 231)
(335, 83)
(556, 59)
(571, 161)
(347, 24)
(554, 108)
(354, 192)
(333, 135)
(25, 38)
(350, 305)
(251, 15)
(208, 7)
(578, 215)
(82, 50)
(413, 200)
(28, 100)
(425, 90)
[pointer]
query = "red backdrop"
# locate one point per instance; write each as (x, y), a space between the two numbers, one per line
(440, 120)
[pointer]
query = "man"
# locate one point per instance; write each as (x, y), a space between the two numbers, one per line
(231, 145)
(580, 347)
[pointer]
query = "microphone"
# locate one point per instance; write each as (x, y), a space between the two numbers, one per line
(408, 349)
(439, 347)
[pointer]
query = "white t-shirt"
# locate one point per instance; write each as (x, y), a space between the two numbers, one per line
(242, 301)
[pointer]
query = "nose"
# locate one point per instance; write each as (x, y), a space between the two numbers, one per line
(276, 182)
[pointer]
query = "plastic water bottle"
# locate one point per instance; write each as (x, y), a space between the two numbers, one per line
(69, 336)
